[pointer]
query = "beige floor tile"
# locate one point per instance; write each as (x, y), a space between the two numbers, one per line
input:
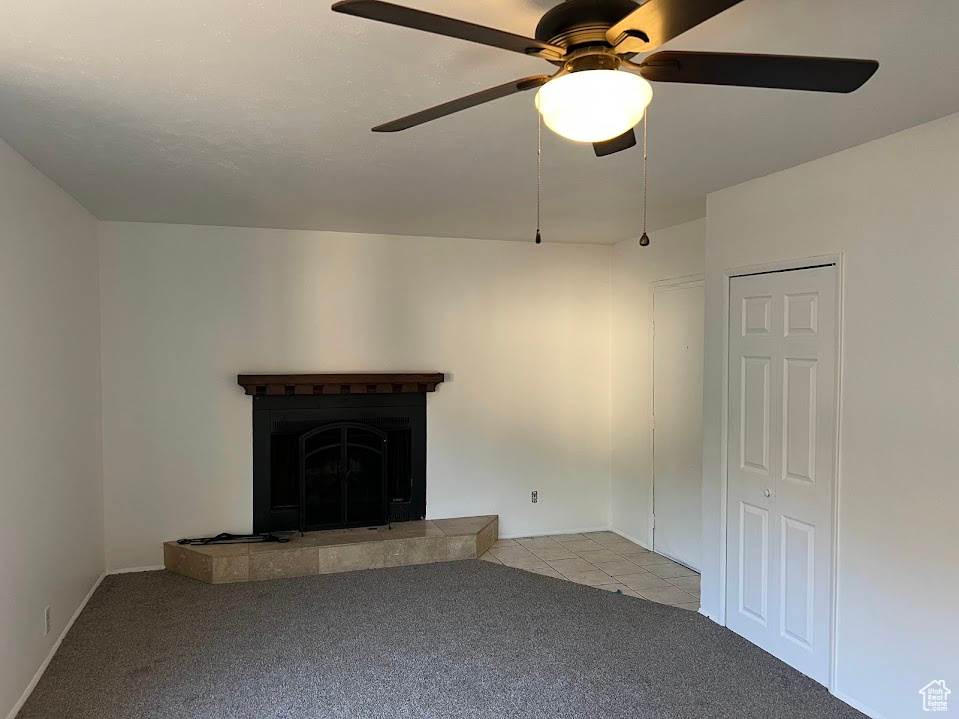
(599, 555)
(364, 530)
(277, 565)
(295, 542)
(531, 562)
(462, 547)
(505, 543)
(603, 537)
(593, 578)
(668, 571)
(621, 543)
(618, 568)
(360, 535)
(687, 584)
(667, 595)
(624, 545)
(547, 572)
(464, 525)
(224, 550)
(633, 550)
(178, 558)
(567, 537)
(689, 606)
(583, 545)
(622, 588)
(398, 552)
(373, 555)
(557, 551)
(533, 540)
(515, 552)
(537, 542)
(412, 530)
(487, 536)
(647, 559)
(565, 566)
(488, 557)
(231, 569)
(643, 581)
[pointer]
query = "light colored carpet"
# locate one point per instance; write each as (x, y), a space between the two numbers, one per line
(460, 639)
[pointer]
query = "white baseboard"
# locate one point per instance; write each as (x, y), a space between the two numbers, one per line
(129, 570)
(857, 705)
(556, 532)
(53, 650)
(56, 645)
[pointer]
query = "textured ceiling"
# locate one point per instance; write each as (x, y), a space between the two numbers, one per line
(256, 113)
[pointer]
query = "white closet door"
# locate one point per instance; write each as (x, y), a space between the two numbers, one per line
(781, 458)
(678, 431)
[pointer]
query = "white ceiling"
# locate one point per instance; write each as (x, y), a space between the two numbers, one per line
(257, 113)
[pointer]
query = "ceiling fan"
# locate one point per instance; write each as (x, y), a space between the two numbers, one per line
(599, 94)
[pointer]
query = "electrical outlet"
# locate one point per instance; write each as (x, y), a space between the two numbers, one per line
(46, 621)
(535, 497)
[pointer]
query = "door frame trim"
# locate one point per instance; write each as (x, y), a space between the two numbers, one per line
(698, 280)
(765, 268)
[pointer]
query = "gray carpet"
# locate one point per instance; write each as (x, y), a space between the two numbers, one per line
(464, 639)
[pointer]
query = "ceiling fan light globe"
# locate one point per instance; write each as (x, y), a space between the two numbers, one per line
(593, 105)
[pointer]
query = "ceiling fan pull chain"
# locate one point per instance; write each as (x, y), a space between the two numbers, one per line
(644, 240)
(539, 172)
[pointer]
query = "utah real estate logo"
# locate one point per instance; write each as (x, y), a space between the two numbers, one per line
(935, 696)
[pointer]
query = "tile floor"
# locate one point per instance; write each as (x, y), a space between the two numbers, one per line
(605, 560)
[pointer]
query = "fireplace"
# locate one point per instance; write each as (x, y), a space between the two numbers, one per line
(338, 451)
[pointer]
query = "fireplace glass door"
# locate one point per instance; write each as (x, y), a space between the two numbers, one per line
(343, 476)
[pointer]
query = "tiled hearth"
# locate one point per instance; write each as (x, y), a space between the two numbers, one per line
(347, 550)
(604, 560)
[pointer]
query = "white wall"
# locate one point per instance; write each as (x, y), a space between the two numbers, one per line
(522, 332)
(51, 511)
(891, 208)
(674, 252)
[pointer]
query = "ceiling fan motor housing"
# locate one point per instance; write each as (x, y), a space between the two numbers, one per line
(606, 35)
(581, 23)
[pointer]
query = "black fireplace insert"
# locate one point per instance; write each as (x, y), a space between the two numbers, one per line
(336, 461)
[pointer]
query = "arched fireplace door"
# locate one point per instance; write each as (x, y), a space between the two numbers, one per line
(342, 470)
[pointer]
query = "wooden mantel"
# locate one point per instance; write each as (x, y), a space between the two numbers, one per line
(369, 383)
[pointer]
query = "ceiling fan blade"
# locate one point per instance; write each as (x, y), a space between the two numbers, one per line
(657, 21)
(617, 144)
(463, 103)
(788, 72)
(442, 25)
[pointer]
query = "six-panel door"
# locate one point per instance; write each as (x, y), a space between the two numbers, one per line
(780, 463)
